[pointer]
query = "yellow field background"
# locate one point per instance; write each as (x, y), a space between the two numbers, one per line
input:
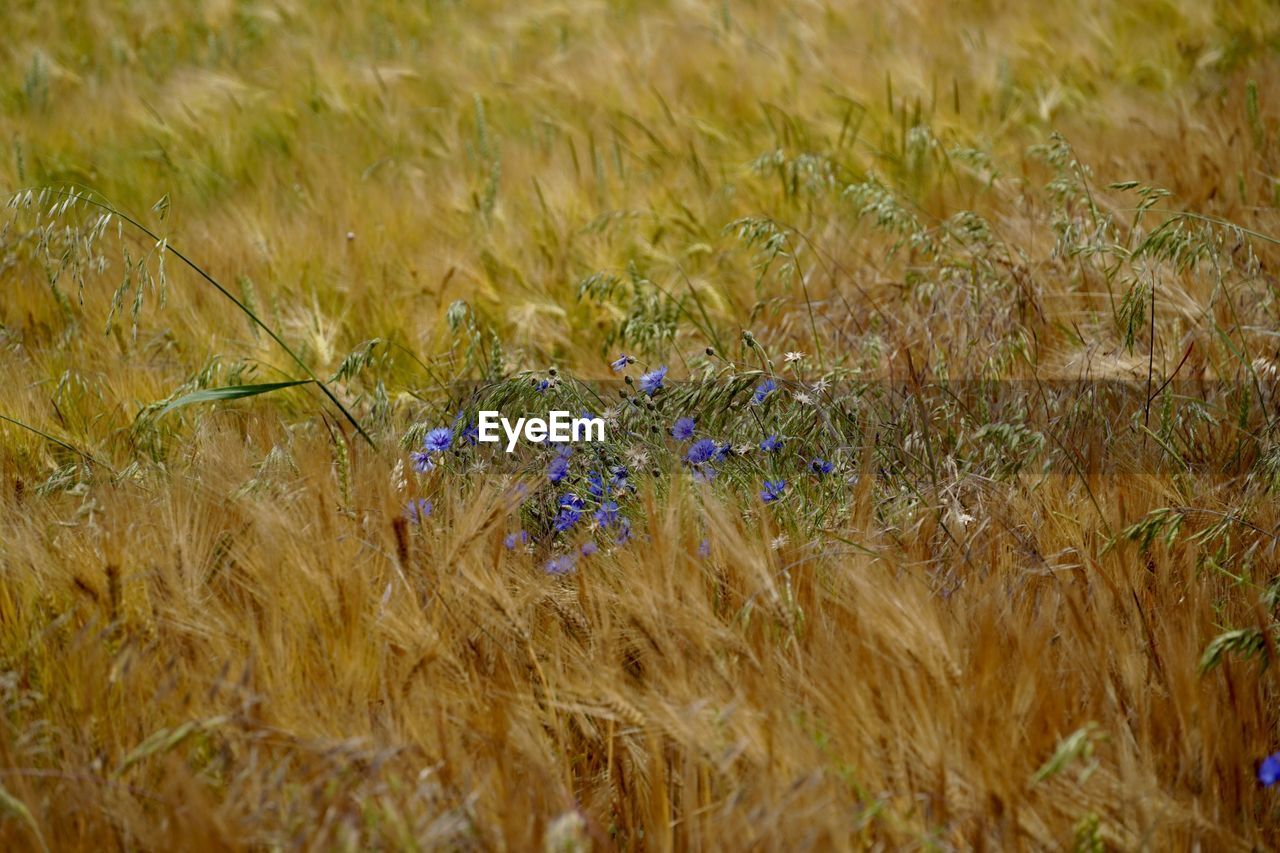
(214, 631)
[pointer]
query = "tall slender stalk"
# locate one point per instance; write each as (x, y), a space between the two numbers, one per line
(165, 247)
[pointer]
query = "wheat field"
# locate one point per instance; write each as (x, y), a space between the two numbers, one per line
(938, 503)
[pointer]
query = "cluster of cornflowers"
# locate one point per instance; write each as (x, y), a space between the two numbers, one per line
(599, 510)
(591, 498)
(434, 443)
(603, 486)
(704, 454)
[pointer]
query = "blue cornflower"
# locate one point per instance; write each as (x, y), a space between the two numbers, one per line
(704, 475)
(619, 479)
(520, 537)
(682, 430)
(557, 470)
(595, 484)
(624, 532)
(764, 389)
(567, 518)
(821, 467)
(622, 362)
(773, 490)
(701, 451)
(651, 382)
(543, 385)
(417, 511)
(607, 514)
(438, 440)
(563, 449)
(471, 435)
(561, 565)
(771, 444)
(723, 452)
(572, 501)
(421, 460)
(589, 548)
(1269, 770)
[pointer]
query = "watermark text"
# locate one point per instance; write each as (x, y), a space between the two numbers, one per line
(559, 426)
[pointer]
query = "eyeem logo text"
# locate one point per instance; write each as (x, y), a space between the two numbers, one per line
(557, 426)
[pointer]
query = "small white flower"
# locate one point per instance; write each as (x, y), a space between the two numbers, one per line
(793, 356)
(778, 541)
(743, 449)
(803, 399)
(820, 386)
(957, 517)
(637, 456)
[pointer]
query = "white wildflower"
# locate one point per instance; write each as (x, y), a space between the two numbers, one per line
(956, 517)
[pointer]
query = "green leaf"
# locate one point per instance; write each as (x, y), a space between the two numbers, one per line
(53, 438)
(232, 392)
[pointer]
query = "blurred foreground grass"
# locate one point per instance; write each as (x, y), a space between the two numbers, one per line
(218, 634)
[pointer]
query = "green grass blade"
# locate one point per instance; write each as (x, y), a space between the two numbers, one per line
(231, 392)
(214, 282)
(55, 440)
